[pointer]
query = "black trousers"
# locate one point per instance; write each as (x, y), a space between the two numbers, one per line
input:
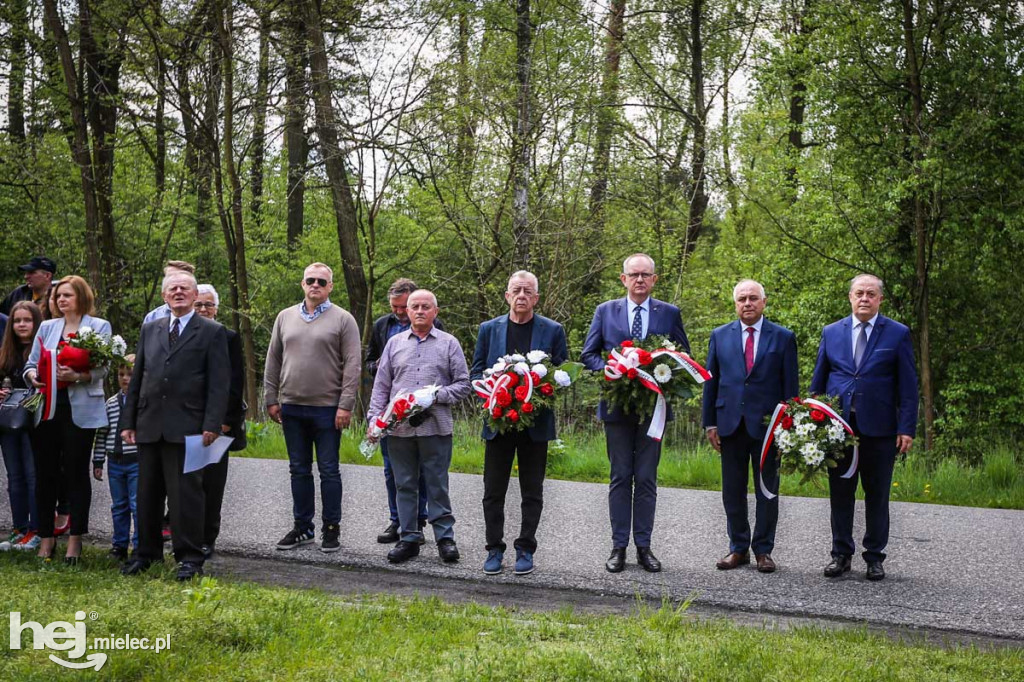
(533, 460)
(742, 453)
(877, 459)
(160, 467)
(61, 452)
(215, 478)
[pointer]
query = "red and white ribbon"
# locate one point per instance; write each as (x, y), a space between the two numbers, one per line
(769, 438)
(48, 376)
(488, 388)
(620, 363)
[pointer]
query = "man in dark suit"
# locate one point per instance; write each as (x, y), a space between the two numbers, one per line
(753, 368)
(215, 476)
(634, 457)
(521, 331)
(180, 387)
(868, 361)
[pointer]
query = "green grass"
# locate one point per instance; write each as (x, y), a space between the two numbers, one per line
(225, 630)
(997, 483)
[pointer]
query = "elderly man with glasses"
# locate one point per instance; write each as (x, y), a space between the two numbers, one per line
(310, 383)
(632, 454)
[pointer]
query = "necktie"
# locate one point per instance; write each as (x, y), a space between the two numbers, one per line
(638, 325)
(174, 332)
(862, 343)
(748, 349)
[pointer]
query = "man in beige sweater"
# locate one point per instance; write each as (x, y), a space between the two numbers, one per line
(310, 383)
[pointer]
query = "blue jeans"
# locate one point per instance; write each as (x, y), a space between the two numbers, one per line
(305, 427)
(389, 483)
(21, 478)
(124, 483)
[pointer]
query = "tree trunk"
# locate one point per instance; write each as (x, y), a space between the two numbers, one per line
(606, 115)
(160, 124)
(467, 130)
(698, 193)
(341, 192)
(236, 245)
(18, 18)
(295, 141)
(259, 121)
(522, 144)
(799, 30)
(921, 236)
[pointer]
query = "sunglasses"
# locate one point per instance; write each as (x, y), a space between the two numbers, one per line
(310, 281)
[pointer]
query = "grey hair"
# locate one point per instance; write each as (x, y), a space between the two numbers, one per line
(881, 284)
(654, 267)
(174, 275)
(208, 289)
(525, 274)
(325, 266)
(747, 281)
(425, 291)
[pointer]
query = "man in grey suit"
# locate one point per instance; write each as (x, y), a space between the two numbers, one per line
(179, 387)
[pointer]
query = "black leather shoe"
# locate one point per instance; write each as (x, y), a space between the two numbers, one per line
(136, 566)
(616, 561)
(875, 570)
(389, 534)
(403, 551)
(645, 557)
(447, 550)
(188, 570)
(838, 566)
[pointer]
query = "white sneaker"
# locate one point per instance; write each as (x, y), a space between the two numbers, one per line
(30, 541)
(8, 544)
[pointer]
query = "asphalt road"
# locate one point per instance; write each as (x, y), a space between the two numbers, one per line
(950, 569)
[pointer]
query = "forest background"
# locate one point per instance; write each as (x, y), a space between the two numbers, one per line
(797, 142)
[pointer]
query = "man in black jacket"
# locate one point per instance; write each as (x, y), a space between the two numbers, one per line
(384, 328)
(180, 387)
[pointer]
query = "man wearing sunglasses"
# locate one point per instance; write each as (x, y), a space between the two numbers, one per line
(633, 456)
(310, 382)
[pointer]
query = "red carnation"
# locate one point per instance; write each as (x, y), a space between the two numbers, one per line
(627, 344)
(631, 373)
(521, 393)
(513, 379)
(818, 415)
(787, 422)
(496, 413)
(504, 398)
(546, 389)
(644, 357)
(535, 377)
(401, 405)
(797, 400)
(512, 415)
(527, 408)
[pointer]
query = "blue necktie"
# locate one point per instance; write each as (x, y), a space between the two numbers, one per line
(638, 325)
(862, 343)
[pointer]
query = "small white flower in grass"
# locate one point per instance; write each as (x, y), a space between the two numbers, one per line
(540, 370)
(535, 356)
(662, 373)
(516, 357)
(562, 378)
(521, 368)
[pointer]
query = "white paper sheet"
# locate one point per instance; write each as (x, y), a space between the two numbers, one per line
(198, 456)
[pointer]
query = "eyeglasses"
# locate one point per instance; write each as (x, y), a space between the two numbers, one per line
(310, 281)
(640, 275)
(203, 304)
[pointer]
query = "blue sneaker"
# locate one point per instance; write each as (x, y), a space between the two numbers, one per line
(493, 564)
(524, 562)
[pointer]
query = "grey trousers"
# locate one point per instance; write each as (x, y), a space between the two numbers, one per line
(430, 457)
(633, 490)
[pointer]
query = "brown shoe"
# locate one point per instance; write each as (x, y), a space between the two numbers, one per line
(765, 563)
(734, 560)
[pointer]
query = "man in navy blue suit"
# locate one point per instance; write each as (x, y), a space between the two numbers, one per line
(868, 361)
(633, 456)
(521, 331)
(753, 368)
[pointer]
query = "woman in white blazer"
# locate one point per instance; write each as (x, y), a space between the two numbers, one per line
(61, 446)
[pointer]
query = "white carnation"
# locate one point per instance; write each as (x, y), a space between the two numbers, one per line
(540, 370)
(662, 373)
(562, 378)
(84, 330)
(669, 346)
(498, 367)
(521, 367)
(516, 357)
(535, 356)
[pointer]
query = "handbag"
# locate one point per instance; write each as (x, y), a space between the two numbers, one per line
(13, 415)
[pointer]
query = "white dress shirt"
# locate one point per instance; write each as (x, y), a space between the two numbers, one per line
(645, 315)
(757, 334)
(855, 332)
(182, 321)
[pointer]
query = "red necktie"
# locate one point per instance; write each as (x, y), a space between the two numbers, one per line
(748, 349)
